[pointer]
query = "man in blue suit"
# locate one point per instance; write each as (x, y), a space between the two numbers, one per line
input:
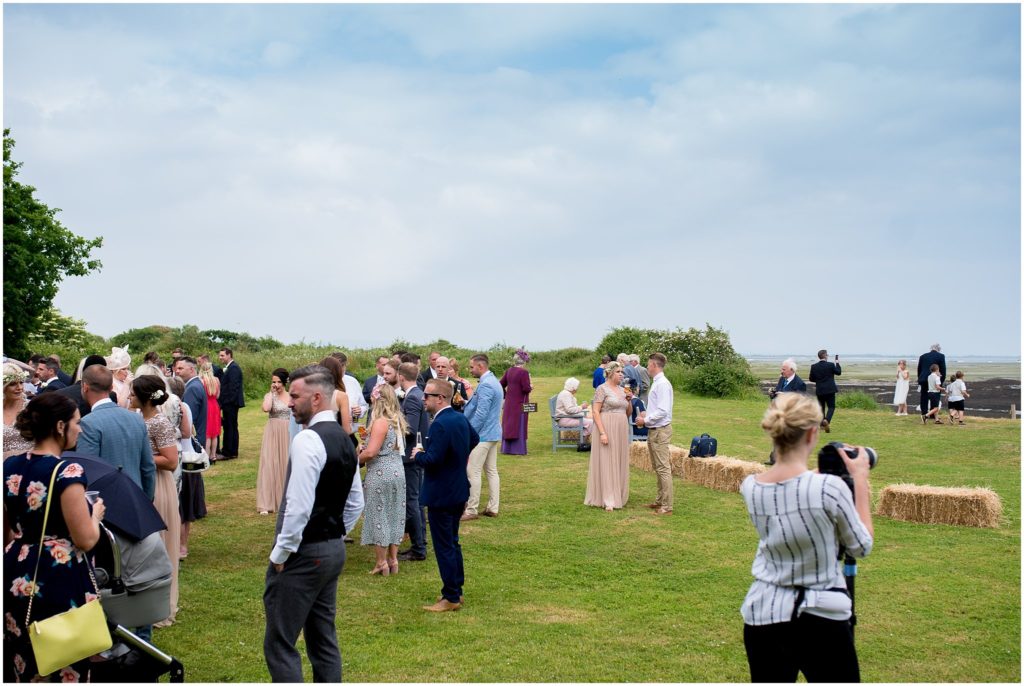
(483, 412)
(789, 382)
(194, 396)
(419, 424)
(113, 433)
(446, 487)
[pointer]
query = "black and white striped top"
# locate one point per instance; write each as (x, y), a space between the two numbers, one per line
(801, 522)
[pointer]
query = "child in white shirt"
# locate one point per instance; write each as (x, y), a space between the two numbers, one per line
(955, 394)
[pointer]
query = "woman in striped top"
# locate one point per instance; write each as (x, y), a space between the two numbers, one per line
(797, 612)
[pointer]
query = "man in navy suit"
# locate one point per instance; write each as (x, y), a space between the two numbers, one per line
(446, 487)
(232, 397)
(195, 394)
(114, 434)
(789, 382)
(49, 378)
(924, 365)
(377, 378)
(823, 375)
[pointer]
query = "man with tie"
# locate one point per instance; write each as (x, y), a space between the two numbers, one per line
(232, 397)
(823, 375)
(445, 487)
(374, 380)
(418, 421)
(308, 554)
(49, 380)
(789, 382)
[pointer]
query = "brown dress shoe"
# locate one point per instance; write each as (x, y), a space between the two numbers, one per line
(825, 426)
(468, 517)
(488, 513)
(653, 506)
(461, 599)
(662, 511)
(443, 606)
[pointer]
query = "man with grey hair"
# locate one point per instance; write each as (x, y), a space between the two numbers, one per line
(308, 554)
(645, 377)
(629, 371)
(789, 382)
(924, 365)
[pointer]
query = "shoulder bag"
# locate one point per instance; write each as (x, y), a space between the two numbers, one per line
(74, 635)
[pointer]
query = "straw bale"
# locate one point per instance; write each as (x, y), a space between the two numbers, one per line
(720, 473)
(568, 435)
(677, 458)
(979, 507)
(639, 457)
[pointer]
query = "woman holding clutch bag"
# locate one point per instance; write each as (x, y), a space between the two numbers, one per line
(50, 421)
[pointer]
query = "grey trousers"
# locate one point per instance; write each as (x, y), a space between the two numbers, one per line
(302, 598)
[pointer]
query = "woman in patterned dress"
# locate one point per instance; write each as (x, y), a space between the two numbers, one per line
(14, 403)
(274, 451)
(63, 581)
(608, 478)
(148, 393)
(384, 490)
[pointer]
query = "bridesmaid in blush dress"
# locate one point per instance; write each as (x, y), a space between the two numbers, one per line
(274, 451)
(514, 422)
(608, 478)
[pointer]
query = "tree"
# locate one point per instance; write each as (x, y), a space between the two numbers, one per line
(38, 254)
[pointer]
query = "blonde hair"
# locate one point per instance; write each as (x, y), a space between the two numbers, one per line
(611, 369)
(790, 416)
(386, 406)
(207, 378)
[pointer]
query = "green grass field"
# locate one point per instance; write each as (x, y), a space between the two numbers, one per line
(557, 591)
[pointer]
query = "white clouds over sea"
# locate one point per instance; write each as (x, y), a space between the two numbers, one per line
(804, 176)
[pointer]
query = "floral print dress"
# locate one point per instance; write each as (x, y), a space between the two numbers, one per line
(63, 581)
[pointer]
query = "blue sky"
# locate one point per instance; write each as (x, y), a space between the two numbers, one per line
(804, 176)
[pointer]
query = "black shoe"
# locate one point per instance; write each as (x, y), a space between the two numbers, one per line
(410, 556)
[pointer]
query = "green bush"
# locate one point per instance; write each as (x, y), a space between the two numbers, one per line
(696, 348)
(626, 339)
(719, 380)
(857, 400)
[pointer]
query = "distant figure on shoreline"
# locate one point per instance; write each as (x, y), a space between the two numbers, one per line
(899, 398)
(924, 363)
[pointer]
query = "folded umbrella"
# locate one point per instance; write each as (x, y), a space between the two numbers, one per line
(129, 510)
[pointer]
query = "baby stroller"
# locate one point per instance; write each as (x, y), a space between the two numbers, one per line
(135, 589)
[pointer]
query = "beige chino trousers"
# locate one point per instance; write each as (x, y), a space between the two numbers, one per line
(658, 441)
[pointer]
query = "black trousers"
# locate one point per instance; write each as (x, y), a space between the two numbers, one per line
(924, 398)
(820, 648)
(828, 405)
(444, 533)
(230, 423)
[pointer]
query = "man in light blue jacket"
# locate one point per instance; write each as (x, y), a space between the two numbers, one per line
(483, 411)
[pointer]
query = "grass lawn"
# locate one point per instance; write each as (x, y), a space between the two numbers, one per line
(557, 591)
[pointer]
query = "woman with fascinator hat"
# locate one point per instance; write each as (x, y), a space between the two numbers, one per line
(119, 362)
(516, 383)
(14, 403)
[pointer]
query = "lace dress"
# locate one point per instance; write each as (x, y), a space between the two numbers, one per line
(14, 444)
(165, 498)
(384, 490)
(270, 476)
(608, 478)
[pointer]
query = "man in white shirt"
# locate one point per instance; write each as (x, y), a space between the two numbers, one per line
(308, 553)
(658, 420)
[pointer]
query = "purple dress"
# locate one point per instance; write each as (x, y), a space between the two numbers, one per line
(516, 383)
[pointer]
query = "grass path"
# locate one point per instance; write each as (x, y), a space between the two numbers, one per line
(560, 592)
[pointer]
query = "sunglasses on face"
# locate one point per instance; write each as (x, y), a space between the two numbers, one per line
(436, 395)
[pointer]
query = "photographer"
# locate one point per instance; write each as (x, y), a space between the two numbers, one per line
(797, 612)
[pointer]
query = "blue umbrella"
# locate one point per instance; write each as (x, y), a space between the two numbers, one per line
(129, 510)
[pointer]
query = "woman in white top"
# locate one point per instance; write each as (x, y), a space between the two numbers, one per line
(902, 388)
(955, 394)
(565, 405)
(797, 612)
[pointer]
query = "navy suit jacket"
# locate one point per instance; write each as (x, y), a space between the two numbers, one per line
(447, 447)
(74, 391)
(119, 437)
(231, 391)
(416, 417)
(797, 385)
(195, 398)
(55, 385)
(368, 387)
(823, 375)
(924, 365)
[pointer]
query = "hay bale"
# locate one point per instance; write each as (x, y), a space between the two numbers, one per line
(720, 473)
(979, 507)
(639, 457)
(677, 458)
(568, 435)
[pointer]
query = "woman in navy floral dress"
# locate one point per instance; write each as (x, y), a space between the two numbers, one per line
(63, 582)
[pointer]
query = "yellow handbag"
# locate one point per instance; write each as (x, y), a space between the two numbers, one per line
(71, 636)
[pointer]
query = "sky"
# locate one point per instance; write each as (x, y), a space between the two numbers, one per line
(804, 176)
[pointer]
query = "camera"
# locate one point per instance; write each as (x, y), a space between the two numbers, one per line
(831, 462)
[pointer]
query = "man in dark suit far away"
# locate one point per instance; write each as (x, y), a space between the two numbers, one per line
(789, 382)
(418, 419)
(446, 487)
(924, 365)
(232, 397)
(823, 375)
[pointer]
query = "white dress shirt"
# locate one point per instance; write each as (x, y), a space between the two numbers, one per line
(355, 393)
(659, 403)
(307, 458)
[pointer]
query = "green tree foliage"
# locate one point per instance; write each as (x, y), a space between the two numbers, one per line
(38, 254)
(192, 340)
(696, 348)
(626, 339)
(56, 329)
(719, 380)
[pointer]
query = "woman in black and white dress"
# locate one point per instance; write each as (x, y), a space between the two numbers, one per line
(797, 612)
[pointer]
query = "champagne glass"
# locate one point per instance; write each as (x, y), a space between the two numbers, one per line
(419, 440)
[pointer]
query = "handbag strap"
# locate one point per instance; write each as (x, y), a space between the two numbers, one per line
(42, 538)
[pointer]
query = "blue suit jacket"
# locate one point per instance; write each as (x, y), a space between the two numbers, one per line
(416, 417)
(447, 447)
(119, 436)
(797, 385)
(483, 411)
(195, 398)
(368, 387)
